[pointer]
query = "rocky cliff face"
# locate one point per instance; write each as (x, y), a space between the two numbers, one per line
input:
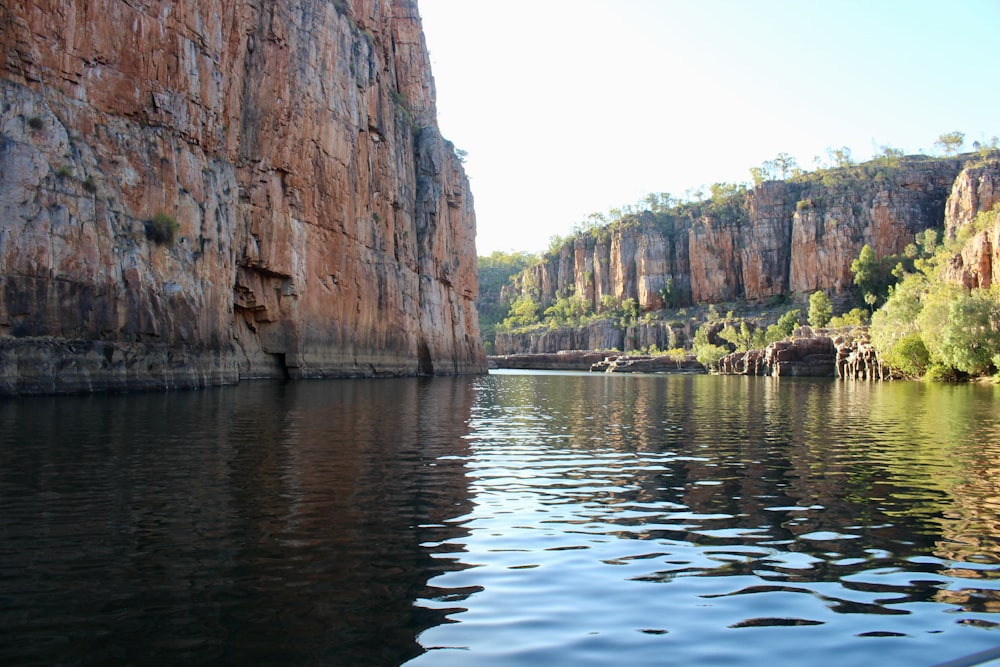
(323, 226)
(977, 190)
(782, 237)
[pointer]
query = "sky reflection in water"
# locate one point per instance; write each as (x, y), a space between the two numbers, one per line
(511, 519)
(709, 520)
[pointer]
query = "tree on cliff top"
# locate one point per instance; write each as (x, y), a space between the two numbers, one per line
(950, 142)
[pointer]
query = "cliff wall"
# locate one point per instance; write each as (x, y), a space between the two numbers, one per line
(323, 226)
(780, 237)
(977, 190)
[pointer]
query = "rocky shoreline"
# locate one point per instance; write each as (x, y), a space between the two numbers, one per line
(844, 353)
(607, 361)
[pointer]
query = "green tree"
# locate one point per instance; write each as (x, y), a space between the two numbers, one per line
(950, 142)
(789, 321)
(629, 311)
(889, 157)
(785, 165)
(820, 309)
(853, 317)
(759, 174)
(523, 312)
(567, 310)
(495, 272)
(873, 275)
(895, 331)
(840, 157)
(741, 337)
(986, 148)
(706, 352)
(708, 355)
(910, 356)
(866, 269)
(970, 339)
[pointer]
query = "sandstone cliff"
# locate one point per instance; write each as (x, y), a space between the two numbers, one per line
(977, 190)
(323, 226)
(780, 237)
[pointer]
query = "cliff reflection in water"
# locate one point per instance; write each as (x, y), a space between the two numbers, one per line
(846, 515)
(896, 460)
(508, 519)
(260, 524)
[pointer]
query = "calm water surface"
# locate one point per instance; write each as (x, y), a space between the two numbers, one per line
(510, 519)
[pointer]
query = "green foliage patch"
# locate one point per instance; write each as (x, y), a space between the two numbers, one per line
(162, 229)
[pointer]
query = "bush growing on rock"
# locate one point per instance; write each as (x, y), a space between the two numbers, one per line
(162, 229)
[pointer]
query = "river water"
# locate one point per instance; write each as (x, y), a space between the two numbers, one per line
(509, 519)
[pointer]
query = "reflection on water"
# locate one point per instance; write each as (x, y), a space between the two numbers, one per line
(260, 524)
(726, 520)
(510, 519)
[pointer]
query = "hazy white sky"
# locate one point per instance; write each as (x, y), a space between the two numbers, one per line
(569, 107)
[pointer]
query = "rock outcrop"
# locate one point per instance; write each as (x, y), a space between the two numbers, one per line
(857, 358)
(977, 190)
(644, 363)
(844, 353)
(603, 334)
(564, 360)
(805, 354)
(195, 192)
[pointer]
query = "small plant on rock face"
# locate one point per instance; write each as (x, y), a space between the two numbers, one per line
(36, 123)
(162, 229)
(89, 185)
(64, 172)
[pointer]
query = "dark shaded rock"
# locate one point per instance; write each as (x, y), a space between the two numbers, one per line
(647, 364)
(564, 360)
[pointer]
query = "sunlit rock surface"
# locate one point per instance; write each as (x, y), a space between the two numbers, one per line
(784, 238)
(323, 226)
(977, 190)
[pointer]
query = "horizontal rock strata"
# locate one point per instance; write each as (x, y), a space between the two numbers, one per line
(627, 363)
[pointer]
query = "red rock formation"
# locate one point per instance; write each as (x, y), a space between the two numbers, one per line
(324, 227)
(794, 236)
(780, 238)
(976, 190)
(845, 353)
(805, 354)
(857, 358)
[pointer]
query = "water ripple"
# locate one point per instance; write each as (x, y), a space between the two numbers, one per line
(615, 516)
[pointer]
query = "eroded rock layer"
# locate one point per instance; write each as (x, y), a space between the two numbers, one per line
(209, 191)
(976, 191)
(782, 237)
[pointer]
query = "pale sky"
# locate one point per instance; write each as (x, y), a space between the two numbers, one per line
(570, 107)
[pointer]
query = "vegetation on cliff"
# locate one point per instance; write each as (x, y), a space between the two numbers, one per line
(494, 272)
(933, 326)
(865, 235)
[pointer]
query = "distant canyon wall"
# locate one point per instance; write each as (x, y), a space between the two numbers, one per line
(324, 228)
(785, 237)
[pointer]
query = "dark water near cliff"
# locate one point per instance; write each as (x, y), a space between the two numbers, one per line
(514, 519)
